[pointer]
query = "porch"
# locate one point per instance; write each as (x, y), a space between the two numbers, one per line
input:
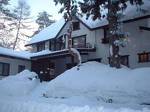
(51, 65)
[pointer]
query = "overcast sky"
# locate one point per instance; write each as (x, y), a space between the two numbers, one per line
(42, 5)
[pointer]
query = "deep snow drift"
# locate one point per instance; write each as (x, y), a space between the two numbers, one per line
(102, 83)
(94, 88)
(18, 85)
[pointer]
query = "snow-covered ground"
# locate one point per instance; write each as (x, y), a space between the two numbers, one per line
(94, 88)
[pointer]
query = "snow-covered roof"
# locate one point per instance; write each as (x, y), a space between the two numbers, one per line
(48, 33)
(44, 52)
(26, 54)
(130, 12)
(18, 54)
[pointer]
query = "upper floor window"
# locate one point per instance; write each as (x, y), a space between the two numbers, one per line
(144, 57)
(52, 45)
(76, 26)
(4, 69)
(40, 46)
(79, 42)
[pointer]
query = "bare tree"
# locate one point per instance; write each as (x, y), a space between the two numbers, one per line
(21, 12)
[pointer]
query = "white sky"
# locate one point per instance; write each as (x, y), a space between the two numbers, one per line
(42, 5)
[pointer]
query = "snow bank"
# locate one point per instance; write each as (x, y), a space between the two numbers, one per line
(86, 90)
(103, 83)
(18, 85)
(46, 107)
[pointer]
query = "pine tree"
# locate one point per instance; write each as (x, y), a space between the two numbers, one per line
(3, 10)
(44, 20)
(3, 3)
(93, 8)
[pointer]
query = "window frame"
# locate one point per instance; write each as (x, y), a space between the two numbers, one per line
(144, 57)
(3, 67)
(82, 36)
(122, 57)
(75, 25)
(105, 39)
(42, 45)
(52, 44)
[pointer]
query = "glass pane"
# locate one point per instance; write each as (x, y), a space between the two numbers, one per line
(1, 68)
(79, 42)
(76, 26)
(6, 70)
(148, 56)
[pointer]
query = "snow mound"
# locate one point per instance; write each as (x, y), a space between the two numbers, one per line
(18, 85)
(103, 83)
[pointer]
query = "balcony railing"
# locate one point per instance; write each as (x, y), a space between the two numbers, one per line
(87, 45)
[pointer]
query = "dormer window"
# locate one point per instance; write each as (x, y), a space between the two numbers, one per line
(40, 46)
(76, 26)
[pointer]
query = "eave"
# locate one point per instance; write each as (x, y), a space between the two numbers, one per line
(144, 28)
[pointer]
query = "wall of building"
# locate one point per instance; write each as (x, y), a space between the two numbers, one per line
(138, 41)
(61, 63)
(82, 31)
(14, 63)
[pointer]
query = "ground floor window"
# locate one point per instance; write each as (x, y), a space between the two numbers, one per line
(21, 68)
(4, 69)
(124, 60)
(144, 57)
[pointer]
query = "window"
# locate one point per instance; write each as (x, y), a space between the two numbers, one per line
(40, 46)
(52, 45)
(4, 69)
(105, 40)
(79, 42)
(21, 68)
(76, 26)
(144, 57)
(124, 60)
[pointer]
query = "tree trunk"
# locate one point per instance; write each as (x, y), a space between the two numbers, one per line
(114, 49)
(18, 29)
